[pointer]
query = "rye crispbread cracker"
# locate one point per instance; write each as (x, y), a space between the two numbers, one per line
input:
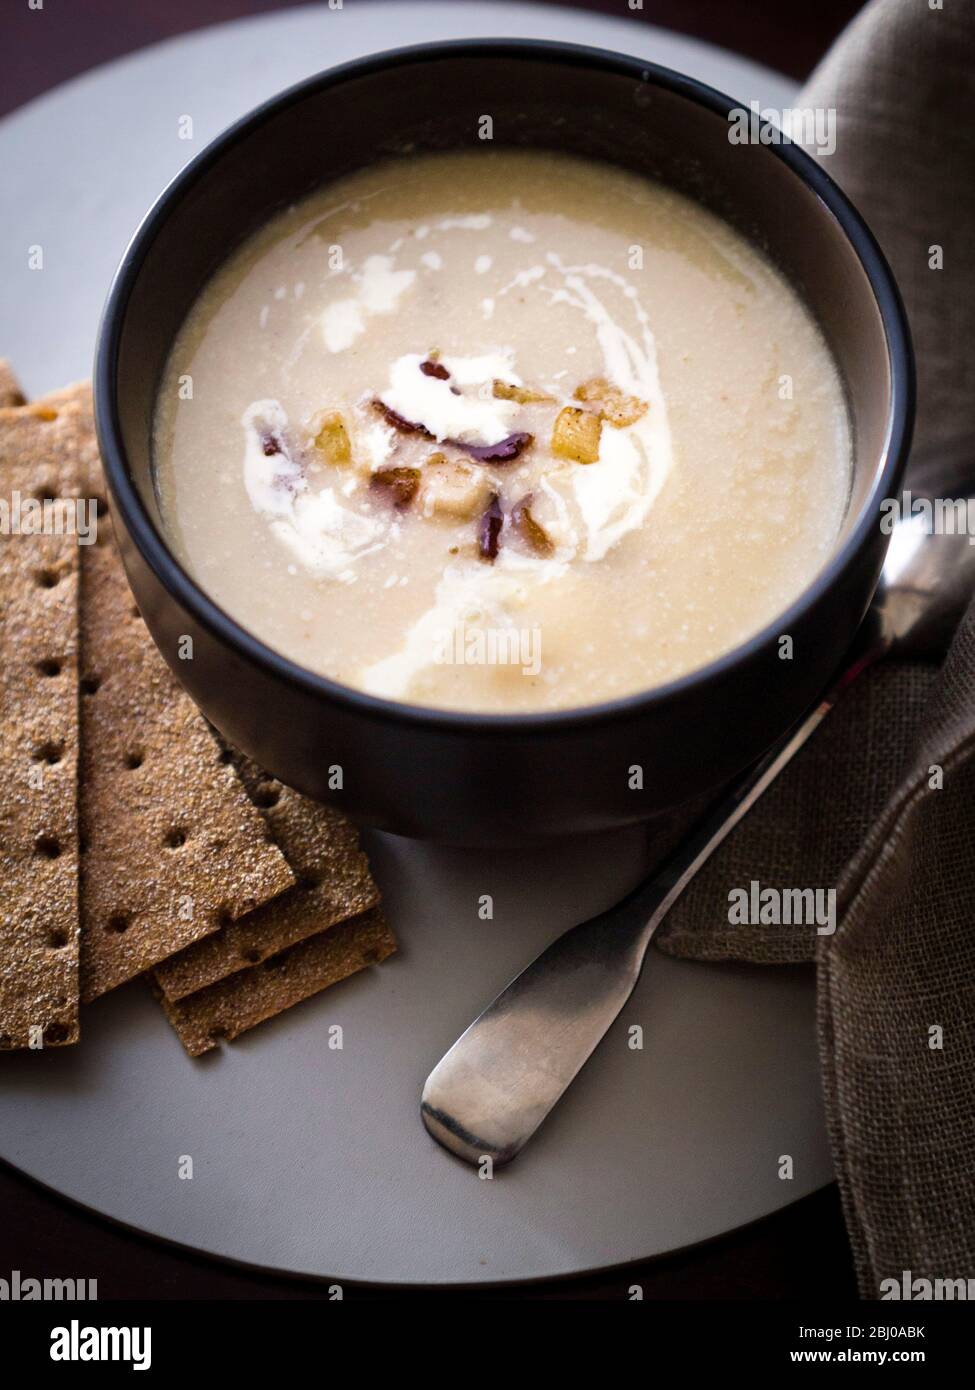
(10, 392)
(39, 913)
(227, 1009)
(55, 436)
(173, 847)
(334, 883)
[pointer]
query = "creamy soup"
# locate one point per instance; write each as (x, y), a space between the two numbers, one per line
(501, 431)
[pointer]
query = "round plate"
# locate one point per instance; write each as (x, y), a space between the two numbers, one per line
(312, 1159)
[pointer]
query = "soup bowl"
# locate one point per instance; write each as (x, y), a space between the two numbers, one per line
(496, 779)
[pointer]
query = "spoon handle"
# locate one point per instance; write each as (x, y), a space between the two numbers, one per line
(486, 1097)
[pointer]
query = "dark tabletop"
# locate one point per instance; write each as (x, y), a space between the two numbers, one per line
(800, 1253)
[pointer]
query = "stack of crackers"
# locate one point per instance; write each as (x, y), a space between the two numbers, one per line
(132, 841)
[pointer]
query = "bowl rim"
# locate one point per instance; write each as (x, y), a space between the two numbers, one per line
(154, 549)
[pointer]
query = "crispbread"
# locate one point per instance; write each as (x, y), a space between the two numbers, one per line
(334, 883)
(229, 1008)
(56, 437)
(173, 847)
(39, 917)
(10, 392)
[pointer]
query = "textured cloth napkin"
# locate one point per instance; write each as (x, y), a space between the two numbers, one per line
(863, 808)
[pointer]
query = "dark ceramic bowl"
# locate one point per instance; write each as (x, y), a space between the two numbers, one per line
(496, 779)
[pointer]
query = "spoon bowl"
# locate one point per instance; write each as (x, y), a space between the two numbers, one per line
(927, 582)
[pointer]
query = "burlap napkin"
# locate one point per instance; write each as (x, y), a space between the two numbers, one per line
(864, 809)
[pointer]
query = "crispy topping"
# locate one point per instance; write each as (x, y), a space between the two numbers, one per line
(489, 530)
(576, 435)
(437, 369)
(534, 533)
(397, 421)
(502, 452)
(400, 484)
(524, 395)
(615, 406)
(332, 439)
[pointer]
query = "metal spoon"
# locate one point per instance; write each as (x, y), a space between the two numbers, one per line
(503, 1076)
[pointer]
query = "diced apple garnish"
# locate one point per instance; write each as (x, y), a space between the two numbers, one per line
(592, 390)
(531, 529)
(332, 438)
(621, 410)
(576, 435)
(615, 406)
(452, 487)
(524, 395)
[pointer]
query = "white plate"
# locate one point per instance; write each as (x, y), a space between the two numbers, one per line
(313, 1160)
